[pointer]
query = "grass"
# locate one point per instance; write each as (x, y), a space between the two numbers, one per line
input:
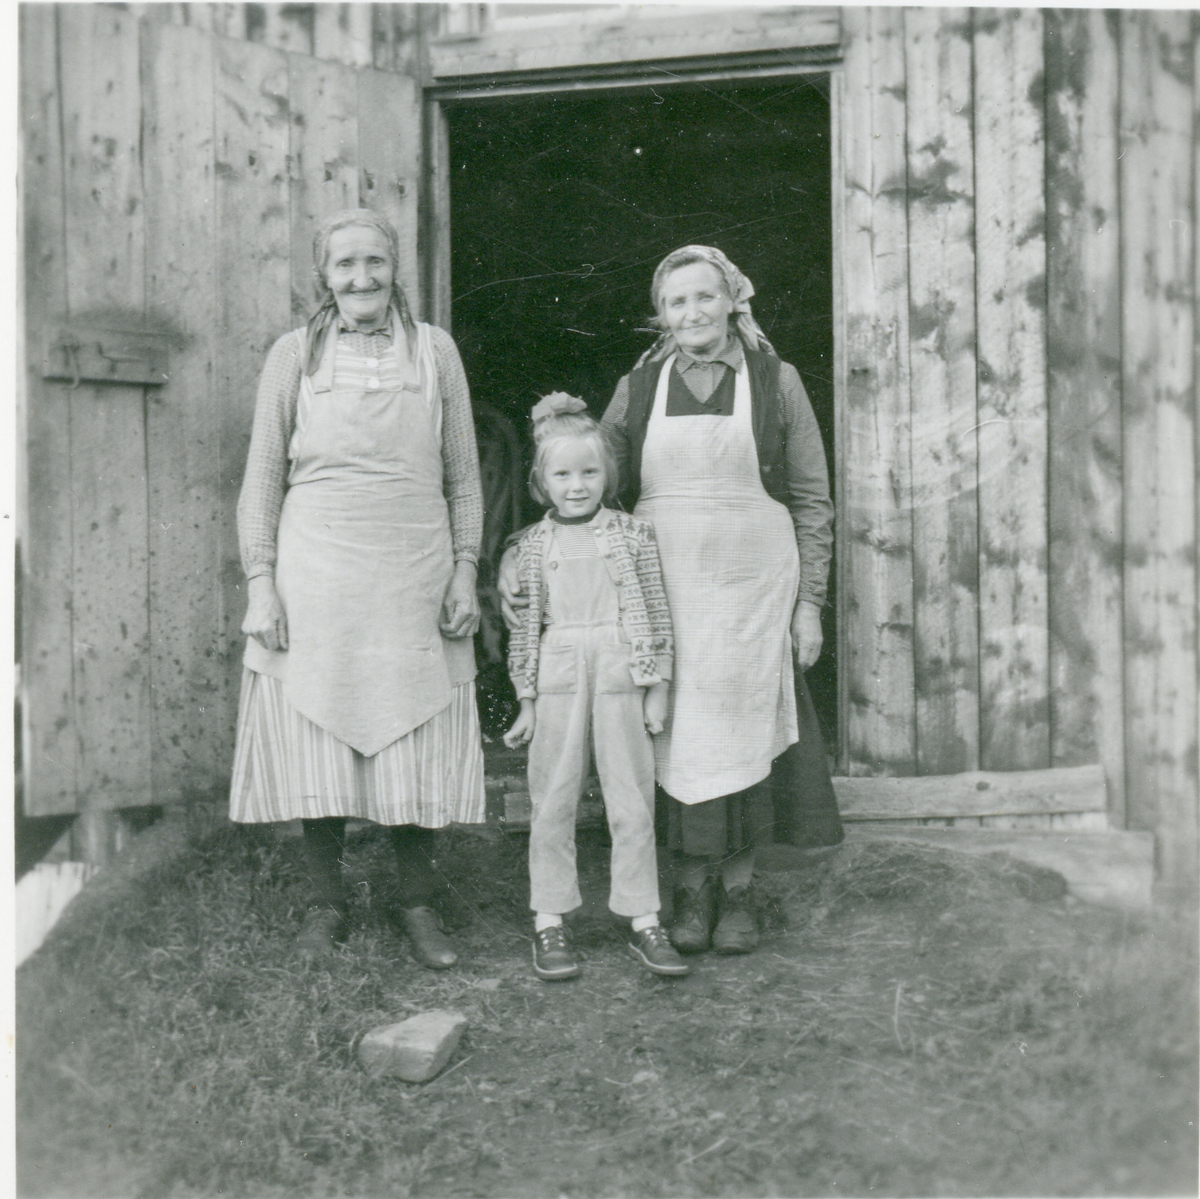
(913, 1024)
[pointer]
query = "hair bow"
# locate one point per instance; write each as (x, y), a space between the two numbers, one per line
(556, 403)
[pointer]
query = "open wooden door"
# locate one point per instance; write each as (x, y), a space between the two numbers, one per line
(172, 182)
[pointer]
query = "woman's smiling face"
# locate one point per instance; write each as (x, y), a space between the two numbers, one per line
(696, 308)
(358, 269)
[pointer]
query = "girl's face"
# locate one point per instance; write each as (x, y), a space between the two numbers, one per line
(359, 271)
(696, 308)
(573, 476)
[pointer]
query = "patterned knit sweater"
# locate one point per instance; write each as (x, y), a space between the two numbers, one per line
(630, 553)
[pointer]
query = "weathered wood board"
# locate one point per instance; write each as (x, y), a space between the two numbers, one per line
(189, 687)
(105, 263)
(50, 746)
(941, 283)
(389, 116)
(1084, 394)
(593, 40)
(973, 794)
(1010, 290)
(323, 160)
(876, 521)
(1159, 432)
(254, 280)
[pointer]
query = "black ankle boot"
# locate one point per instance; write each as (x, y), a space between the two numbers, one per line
(691, 930)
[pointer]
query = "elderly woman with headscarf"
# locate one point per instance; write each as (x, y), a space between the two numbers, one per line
(359, 523)
(719, 449)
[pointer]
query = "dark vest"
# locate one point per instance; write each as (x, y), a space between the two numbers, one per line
(765, 420)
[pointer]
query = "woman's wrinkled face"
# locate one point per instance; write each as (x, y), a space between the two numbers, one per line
(358, 269)
(696, 308)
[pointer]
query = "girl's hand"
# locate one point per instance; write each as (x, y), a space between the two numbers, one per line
(523, 727)
(265, 619)
(654, 707)
(460, 608)
(806, 633)
(513, 601)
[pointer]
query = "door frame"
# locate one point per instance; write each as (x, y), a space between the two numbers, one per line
(434, 236)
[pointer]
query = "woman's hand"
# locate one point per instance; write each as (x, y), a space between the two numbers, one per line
(265, 619)
(513, 601)
(654, 707)
(460, 608)
(523, 727)
(806, 633)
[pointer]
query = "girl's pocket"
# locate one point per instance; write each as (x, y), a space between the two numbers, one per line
(557, 670)
(613, 673)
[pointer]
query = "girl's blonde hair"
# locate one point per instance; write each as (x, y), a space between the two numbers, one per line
(560, 417)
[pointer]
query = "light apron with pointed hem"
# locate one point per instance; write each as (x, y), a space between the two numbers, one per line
(731, 571)
(364, 560)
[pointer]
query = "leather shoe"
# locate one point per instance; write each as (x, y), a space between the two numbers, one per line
(737, 930)
(430, 946)
(691, 930)
(322, 930)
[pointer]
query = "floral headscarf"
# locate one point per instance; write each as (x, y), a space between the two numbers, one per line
(740, 290)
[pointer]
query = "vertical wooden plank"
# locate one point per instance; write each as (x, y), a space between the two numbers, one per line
(253, 271)
(841, 376)
(105, 259)
(49, 747)
(1083, 286)
(877, 516)
(389, 146)
(395, 38)
(187, 679)
(1195, 338)
(288, 27)
(1159, 412)
(198, 16)
(941, 265)
(343, 33)
(229, 20)
(435, 218)
(1010, 306)
(323, 98)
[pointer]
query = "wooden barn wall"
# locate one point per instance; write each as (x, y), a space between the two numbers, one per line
(1018, 438)
(172, 182)
(1015, 197)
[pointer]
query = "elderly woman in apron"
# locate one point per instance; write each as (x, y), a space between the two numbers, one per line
(359, 525)
(720, 451)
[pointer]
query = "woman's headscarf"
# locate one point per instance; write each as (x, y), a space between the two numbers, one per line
(740, 290)
(326, 314)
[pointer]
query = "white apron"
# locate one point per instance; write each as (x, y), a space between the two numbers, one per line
(731, 571)
(365, 557)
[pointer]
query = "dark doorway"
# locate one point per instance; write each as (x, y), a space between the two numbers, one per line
(561, 206)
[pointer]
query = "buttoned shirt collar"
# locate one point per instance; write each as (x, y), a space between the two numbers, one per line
(384, 330)
(732, 355)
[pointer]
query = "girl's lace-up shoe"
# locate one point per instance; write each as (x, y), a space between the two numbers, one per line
(552, 956)
(652, 948)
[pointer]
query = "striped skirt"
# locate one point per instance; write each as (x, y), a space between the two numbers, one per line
(285, 767)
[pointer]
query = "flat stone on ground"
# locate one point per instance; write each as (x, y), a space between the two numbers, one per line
(414, 1049)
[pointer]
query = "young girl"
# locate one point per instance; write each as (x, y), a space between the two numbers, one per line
(595, 649)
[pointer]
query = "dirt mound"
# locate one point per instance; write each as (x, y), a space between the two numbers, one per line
(912, 1024)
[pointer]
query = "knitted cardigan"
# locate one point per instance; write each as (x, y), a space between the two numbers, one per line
(630, 553)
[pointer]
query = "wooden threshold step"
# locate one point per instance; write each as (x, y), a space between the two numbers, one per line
(1070, 791)
(978, 793)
